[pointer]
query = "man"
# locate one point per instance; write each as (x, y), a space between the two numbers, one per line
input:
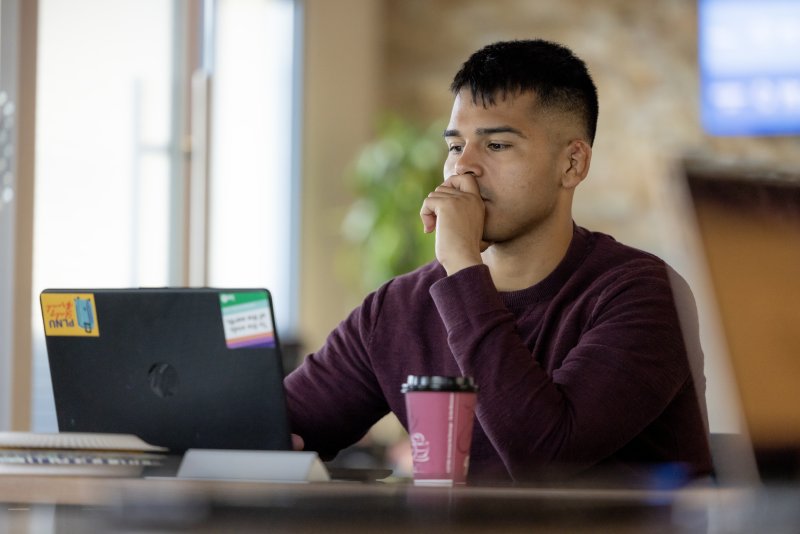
(573, 338)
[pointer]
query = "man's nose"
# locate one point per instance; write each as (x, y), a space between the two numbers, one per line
(468, 161)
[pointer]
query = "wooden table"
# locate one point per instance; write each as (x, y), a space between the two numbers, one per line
(67, 504)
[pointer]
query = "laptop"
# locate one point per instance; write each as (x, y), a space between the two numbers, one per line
(748, 223)
(179, 367)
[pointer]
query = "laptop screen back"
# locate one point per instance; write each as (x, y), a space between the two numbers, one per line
(180, 368)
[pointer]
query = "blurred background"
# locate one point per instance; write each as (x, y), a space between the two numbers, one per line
(288, 144)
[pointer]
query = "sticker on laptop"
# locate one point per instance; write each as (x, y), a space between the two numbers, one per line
(70, 314)
(247, 320)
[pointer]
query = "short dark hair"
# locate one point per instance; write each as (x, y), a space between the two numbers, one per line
(558, 77)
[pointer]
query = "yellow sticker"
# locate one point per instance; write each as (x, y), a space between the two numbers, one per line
(70, 314)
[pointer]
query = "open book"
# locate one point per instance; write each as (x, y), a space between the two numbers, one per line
(76, 454)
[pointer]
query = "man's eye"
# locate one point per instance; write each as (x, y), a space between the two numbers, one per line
(497, 146)
(455, 149)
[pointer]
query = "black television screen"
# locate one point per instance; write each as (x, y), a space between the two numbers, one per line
(749, 57)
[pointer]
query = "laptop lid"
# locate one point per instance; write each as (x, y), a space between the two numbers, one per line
(748, 222)
(179, 367)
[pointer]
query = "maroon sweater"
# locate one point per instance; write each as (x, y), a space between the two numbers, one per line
(585, 371)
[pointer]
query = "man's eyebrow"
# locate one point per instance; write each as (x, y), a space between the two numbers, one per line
(500, 129)
(488, 131)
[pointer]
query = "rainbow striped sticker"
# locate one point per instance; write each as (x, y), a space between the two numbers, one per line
(247, 320)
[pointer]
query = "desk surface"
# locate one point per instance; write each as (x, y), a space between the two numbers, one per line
(83, 504)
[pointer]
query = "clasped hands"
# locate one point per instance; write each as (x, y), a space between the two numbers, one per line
(456, 211)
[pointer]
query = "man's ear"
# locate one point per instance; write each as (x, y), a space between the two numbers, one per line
(579, 156)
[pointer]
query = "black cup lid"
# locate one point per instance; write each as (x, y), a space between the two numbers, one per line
(439, 383)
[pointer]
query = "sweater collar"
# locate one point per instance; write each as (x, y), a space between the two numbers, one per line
(579, 247)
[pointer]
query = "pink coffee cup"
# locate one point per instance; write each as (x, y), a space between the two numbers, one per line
(441, 413)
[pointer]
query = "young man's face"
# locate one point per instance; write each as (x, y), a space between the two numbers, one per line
(516, 154)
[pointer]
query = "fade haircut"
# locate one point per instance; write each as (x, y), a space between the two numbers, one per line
(558, 77)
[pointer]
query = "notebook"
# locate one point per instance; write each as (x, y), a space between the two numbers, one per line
(748, 223)
(178, 367)
(74, 453)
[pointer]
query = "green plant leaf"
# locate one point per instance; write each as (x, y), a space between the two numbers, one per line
(390, 178)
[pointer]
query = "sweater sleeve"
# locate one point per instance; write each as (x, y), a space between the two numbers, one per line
(626, 367)
(333, 398)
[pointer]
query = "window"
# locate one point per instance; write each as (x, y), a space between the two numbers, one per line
(110, 181)
(253, 206)
(6, 239)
